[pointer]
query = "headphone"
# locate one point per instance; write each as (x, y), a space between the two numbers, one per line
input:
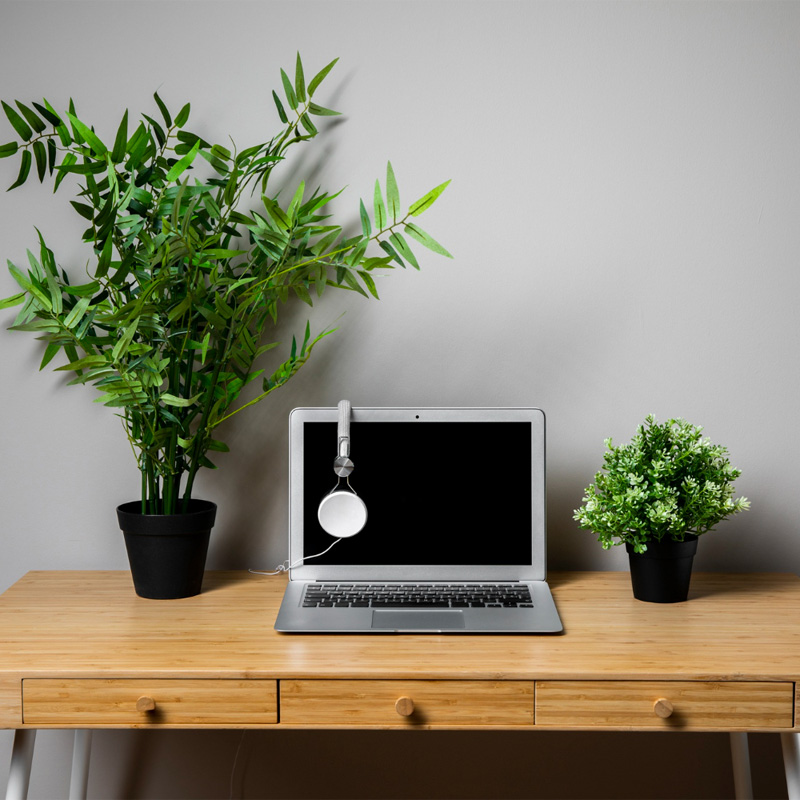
(342, 513)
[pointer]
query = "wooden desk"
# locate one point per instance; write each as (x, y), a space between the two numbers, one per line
(80, 650)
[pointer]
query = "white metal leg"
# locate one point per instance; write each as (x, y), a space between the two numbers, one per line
(19, 775)
(740, 756)
(79, 779)
(791, 763)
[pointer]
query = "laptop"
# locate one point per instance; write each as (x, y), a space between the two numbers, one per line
(454, 539)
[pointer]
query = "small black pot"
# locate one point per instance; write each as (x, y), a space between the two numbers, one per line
(167, 552)
(662, 573)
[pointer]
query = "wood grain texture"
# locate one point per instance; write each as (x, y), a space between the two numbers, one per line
(634, 704)
(92, 625)
(174, 702)
(10, 702)
(360, 703)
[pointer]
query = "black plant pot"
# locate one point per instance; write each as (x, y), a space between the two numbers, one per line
(167, 552)
(662, 573)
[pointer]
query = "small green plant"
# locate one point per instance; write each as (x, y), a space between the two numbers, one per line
(669, 482)
(184, 280)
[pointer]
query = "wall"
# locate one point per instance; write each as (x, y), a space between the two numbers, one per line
(623, 214)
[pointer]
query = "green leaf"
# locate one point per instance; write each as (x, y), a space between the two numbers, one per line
(401, 245)
(415, 232)
(24, 170)
(48, 113)
(281, 110)
(288, 89)
(31, 118)
(369, 283)
(277, 213)
(392, 193)
(14, 300)
(179, 402)
(40, 154)
(306, 122)
(121, 347)
(181, 166)
(121, 140)
(104, 259)
(319, 77)
(49, 353)
(9, 149)
(83, 363)
(88, 135)
(321, 111)
(365, 224)
(183, 115)
(299, 81)
(163, 109)
(425, 202)
(77, 312)
(86, 211)
(64, 168)
(17, 123)
(380, 208)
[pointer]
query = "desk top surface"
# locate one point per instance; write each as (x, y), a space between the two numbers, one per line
(91, 624)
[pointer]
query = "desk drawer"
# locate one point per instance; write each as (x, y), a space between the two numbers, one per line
(149, 702)
(407, 702)
(664, 704)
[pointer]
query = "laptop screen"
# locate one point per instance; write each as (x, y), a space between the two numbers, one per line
(437, 492)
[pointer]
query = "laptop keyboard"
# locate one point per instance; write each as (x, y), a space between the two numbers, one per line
(417, 595)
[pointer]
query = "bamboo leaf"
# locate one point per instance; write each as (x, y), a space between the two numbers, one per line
(183, 164)
(179, 402)
(49, 353)
(24, 170)
(319, 77)
(163, 109)
(88, 135)
(17, 123)
(321, 111)
(365, 224)
(40, 155)
(77, 312)
(9, 149)
(121, 140)
(281, 110)
(288, 89)
(415, 232)
(392, 193)
(14, 300)
(426, 201)
(183, 115)
(299, 81)
(121, 347)
(83, 363)
(31, 117)
(401, 245)
(48, 113)
(380, 208)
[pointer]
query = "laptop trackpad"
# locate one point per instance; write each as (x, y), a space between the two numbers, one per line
(418, 620)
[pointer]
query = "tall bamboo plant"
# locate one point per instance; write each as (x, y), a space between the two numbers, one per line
(185, 280)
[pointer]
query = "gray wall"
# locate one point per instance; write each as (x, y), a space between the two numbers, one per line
(623, 215)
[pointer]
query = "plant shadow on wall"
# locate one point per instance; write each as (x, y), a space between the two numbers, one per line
(185, 282)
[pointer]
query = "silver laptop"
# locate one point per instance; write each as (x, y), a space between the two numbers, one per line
(454, 539)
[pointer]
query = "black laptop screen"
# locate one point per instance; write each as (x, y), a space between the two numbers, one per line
(436, 492)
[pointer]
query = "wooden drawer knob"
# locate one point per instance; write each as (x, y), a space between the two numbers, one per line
(145, 703)
(663, 708)
(404, 706)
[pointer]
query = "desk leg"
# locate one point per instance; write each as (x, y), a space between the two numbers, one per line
(79, 779)
(791, 763)
(740, 756)
(19, 775)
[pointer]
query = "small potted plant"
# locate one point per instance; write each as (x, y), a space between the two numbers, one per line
(657, 495)
(191, 255)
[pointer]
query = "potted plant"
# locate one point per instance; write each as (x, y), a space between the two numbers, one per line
(657, 495)
(184, 282)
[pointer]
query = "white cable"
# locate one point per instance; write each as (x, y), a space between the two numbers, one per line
(286, 567)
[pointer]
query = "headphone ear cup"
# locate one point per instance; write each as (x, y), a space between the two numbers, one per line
(342, 514)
